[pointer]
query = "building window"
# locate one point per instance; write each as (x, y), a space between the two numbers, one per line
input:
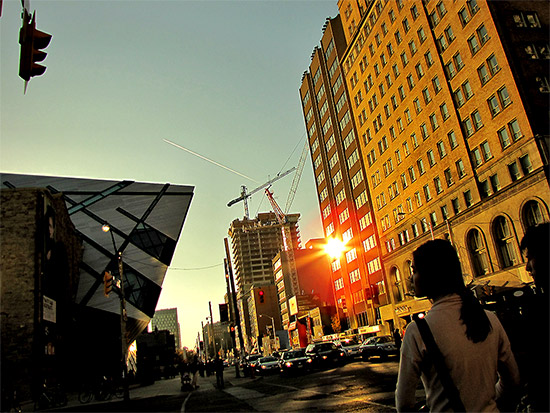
(421, 168)
(514, 171)
(437, 185)
(436, 84)
(351, 255)
(504, 97)
(476, 157)
(515, 130)
(444, 212)
(494, 105)
(448, 177)
(431, 158)
(532, 214)
(476, 117)
(504, 138)
(460, 169)
(468, 200)
(503, 236)
(429, 58)
(493, 65)
(495, 184)
(526, 166)
(441, 150)
(482, 34)
(478, 253)
(474, 45)
(452, 139)
(456, 205)
(486, 151)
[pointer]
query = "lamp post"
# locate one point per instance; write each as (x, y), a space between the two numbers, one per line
(272, 325)
(123, 316)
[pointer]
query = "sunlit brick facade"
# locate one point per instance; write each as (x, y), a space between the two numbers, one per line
(339, 171)
(450, 104)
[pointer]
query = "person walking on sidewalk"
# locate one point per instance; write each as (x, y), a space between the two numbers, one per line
(218, 366)
(475, 348)
(194, 368)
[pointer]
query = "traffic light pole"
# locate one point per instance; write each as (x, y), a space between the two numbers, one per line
(235, 308)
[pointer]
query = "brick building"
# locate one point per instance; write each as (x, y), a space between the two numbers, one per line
(449, 102)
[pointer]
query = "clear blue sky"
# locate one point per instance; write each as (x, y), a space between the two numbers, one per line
(220, 78)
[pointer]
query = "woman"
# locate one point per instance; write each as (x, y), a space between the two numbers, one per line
(472, 341)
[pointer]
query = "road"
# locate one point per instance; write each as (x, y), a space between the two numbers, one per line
(356, 386)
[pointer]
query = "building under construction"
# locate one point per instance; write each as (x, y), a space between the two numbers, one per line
(255, 242)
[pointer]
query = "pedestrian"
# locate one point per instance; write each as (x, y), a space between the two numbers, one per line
(194, 368)
(397, 339)
(476, 352)
(533, 357)
(218, 366)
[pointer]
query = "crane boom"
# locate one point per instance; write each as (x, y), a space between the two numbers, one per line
(245, 195)
(297, 177)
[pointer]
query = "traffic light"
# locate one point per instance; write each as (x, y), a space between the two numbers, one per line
(261, 294)
(107, 283)
(31, 41)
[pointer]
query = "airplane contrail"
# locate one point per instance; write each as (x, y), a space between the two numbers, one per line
(209, 160)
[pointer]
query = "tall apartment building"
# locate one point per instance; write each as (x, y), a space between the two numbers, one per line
(167, 319)
(450, 101)
(340, 174)
(254, 243)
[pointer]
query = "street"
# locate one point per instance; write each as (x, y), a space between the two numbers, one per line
(356, 386)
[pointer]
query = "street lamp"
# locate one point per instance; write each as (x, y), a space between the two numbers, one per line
(123, 315)
(272, 324)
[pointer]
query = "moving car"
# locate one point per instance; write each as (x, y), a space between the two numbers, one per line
(351, 346)
(266, 365)
(249, 361)
(379, 346)
(325, 354)
(293, 361)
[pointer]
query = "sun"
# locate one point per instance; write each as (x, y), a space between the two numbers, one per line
(334, 247)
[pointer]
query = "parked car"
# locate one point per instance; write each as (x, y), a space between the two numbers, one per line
(267, 365)
(351, 346)
(293, 361)
(379, 346)
(325, 354)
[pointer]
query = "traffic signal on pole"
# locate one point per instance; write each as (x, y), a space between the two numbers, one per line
(107, 283)
(32, 41)
(261, 294)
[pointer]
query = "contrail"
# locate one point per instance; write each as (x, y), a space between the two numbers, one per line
(209, 160)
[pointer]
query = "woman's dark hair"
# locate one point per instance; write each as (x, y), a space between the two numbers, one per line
(438, 267)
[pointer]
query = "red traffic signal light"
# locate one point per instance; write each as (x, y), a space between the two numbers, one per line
(107, 283)
(261, 294)
(31, 41)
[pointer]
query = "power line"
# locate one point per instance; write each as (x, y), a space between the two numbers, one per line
(195, 269)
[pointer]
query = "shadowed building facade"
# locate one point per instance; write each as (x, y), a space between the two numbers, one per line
(54, 254)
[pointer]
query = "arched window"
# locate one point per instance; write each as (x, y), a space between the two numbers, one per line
(398, 291)
(532, 214)
(504, 239)
(478, 253)
(409, 278)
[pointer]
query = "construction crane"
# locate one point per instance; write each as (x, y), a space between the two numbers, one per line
(288, 246)
(245, 195)
(297, 176)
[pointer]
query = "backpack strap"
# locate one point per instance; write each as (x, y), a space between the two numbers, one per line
(451, 391)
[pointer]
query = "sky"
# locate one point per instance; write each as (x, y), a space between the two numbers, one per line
(219, 78)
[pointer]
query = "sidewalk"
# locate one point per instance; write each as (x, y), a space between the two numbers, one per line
(165, 387)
